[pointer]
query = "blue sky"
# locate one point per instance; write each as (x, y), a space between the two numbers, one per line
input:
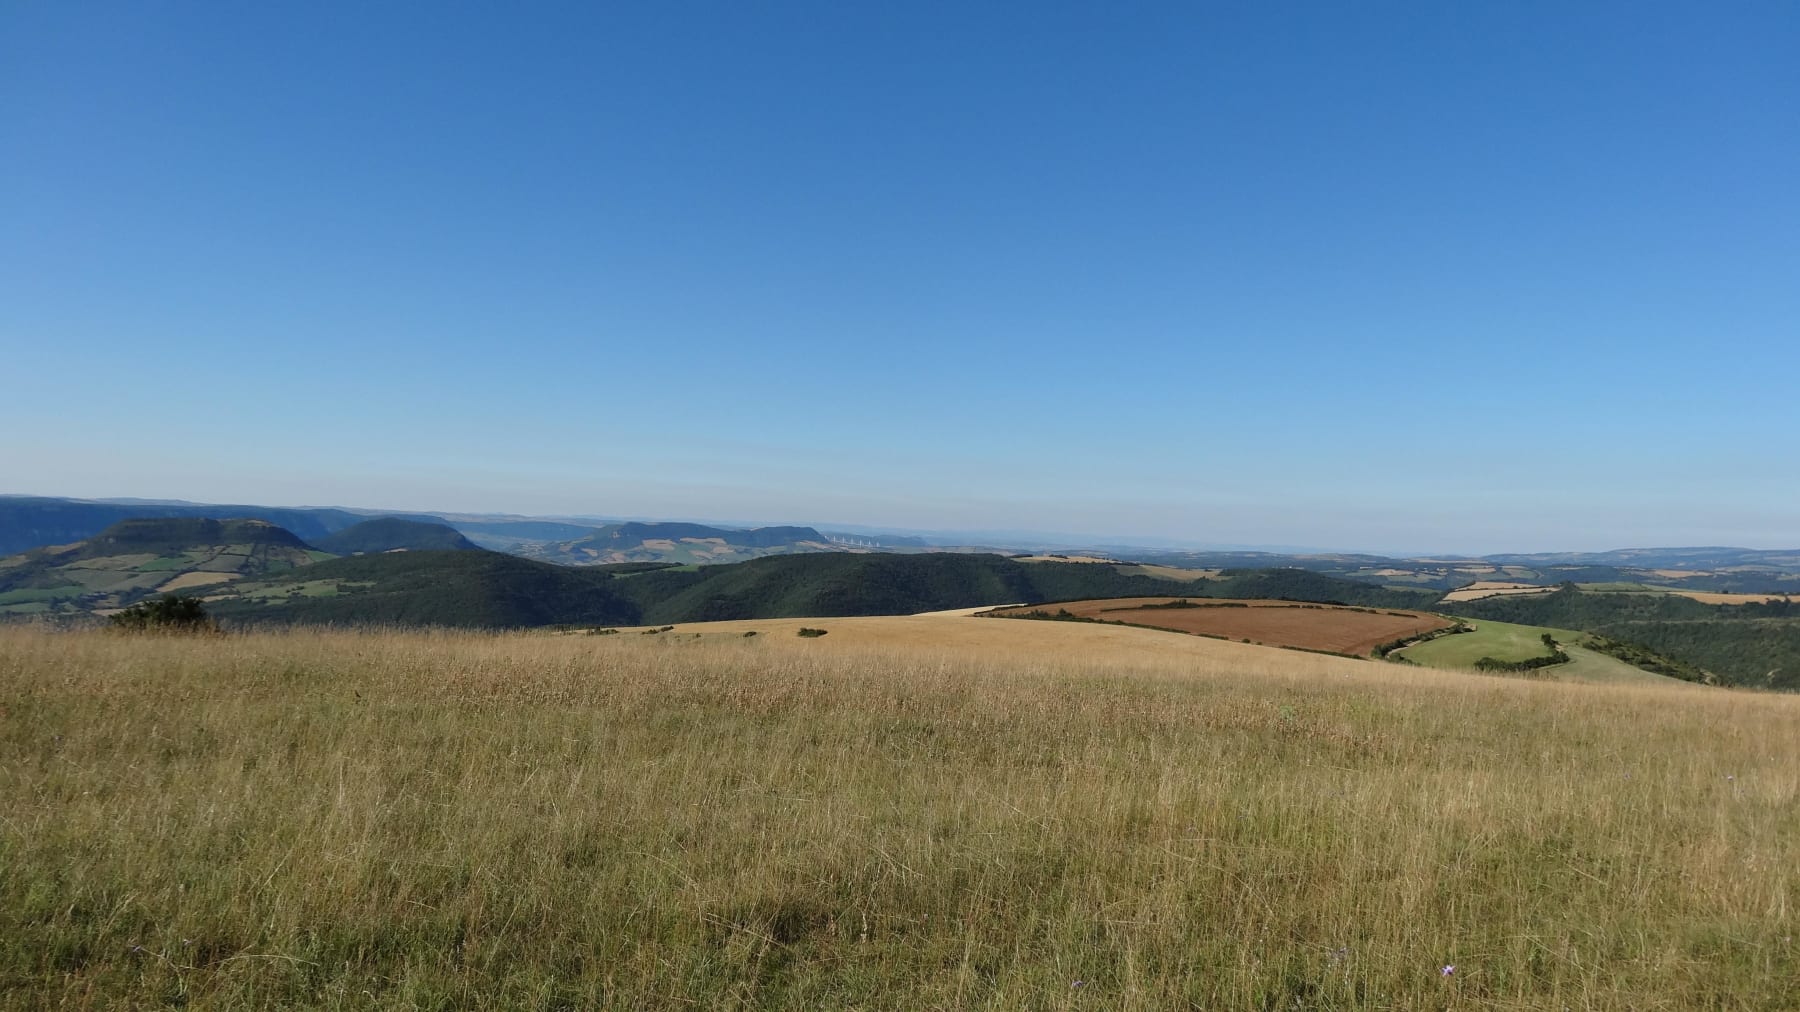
(1374, 276)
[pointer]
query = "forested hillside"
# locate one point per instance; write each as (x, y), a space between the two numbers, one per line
(28, 522)
(1755, 645)
(394, 534)
(477, 589)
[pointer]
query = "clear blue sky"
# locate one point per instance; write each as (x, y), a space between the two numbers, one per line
(1374, 276)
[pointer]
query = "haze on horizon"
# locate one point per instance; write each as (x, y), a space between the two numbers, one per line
(1409, 279)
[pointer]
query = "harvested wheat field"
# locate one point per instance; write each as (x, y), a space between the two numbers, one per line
(1495, 588)
(1333, 628)
(1707, 597)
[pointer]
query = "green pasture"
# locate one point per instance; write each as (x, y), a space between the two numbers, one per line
(113, 563)
(168, 564)
(35, 594)
(1503, 641)
(1506, 641)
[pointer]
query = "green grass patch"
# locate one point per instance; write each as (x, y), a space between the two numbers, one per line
(168, 564)
(26, 608)
(106, 580)
(32, 594)
(114, 563)
(1502, 641)
(265, 592)
(1506, 641)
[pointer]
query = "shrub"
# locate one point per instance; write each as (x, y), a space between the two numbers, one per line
(171, 613)
(811, 633)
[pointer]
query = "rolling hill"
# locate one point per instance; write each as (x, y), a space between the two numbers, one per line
(28, 522)
(1740, 644)
(485, 589)
(394, 534)
(678, 543)
(1736, 570)
(424, 574)
(134, 559)
(468, 589)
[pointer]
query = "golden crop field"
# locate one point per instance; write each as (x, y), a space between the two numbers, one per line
(1495, 588)
(1720, 598)
(932, 813)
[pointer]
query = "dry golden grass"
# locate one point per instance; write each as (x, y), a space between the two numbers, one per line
(1707, 597)
(420, 820)
(1171, 572)
(956, 637)
(1477, 591)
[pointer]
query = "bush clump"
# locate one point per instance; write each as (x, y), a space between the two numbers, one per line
(171, 613)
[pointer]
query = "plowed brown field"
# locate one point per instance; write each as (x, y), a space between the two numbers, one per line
(1355, 631)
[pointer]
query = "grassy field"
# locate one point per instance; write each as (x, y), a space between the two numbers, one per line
(932, 813)
(1505, 641)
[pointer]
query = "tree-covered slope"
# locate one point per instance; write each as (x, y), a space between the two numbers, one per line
(175, 534)
(1755, 653)
(1303, 585)
(487, 589)
(394, 534)
(679, 543)
(1747, 644)
(28, 522)
(474, 589)
(881, 584)
(828, 585)
(1569, 608)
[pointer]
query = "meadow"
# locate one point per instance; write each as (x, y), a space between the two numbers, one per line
(910, 813)
(1507, 641)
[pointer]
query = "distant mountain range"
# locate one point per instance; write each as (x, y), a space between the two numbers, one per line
(28, 522)
(399, 571)
(392, 570)
(675, 542)
(1734, 570)
(395, 534)
(145, 556)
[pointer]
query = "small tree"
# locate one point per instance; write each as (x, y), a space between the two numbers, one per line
(169, 613)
